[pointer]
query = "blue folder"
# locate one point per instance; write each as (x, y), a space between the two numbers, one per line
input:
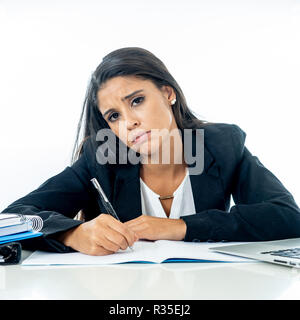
(20, 236)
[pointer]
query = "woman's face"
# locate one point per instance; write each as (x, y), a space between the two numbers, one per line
(132, 106)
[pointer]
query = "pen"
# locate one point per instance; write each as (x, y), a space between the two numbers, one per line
(109, 208)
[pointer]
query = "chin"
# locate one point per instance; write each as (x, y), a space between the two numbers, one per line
(150, 154)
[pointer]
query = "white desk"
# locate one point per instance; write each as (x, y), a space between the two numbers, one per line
(255, 280)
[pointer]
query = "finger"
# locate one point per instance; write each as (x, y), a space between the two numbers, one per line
(117, 239)
(121, 228)
(136, 236)
(112, 242)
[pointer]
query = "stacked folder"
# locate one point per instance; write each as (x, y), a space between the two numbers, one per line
(14, 227)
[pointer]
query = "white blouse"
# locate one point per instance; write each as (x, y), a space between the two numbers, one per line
(182, 204)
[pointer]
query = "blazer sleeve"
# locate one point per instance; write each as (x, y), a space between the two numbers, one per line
(56, 201)
(264, 209)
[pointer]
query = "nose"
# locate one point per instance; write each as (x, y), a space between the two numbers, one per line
(132, 121)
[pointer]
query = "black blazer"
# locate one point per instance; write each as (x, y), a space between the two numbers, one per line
(264, 209)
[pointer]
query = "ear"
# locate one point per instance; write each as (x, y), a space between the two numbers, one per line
(169, 93)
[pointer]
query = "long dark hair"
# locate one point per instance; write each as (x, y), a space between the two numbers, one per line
(133, 61)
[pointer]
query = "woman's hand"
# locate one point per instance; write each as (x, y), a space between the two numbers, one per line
(100, 236)
(153, 228)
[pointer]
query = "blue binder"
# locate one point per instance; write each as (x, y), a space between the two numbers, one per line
(20, 236)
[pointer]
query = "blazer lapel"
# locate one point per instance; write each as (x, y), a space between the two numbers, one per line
(207, 188)
(126, 194)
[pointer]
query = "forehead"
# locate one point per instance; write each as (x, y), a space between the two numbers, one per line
(119, 87)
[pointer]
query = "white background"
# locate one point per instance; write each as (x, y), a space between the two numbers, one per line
(236, 62)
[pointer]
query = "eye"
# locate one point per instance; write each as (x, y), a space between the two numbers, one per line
(113, 117)
(138, 99)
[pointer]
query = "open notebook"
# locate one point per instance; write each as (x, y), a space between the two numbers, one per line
(143, 251)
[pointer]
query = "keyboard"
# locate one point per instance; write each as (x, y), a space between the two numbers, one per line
(289, 253)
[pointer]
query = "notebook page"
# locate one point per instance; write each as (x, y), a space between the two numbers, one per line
(145, 251)
(195, 250)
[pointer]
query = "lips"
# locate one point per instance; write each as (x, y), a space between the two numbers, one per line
(140, 136)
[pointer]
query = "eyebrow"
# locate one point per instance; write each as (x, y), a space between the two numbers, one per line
(125, 98)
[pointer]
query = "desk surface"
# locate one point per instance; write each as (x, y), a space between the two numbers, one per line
(253, 280)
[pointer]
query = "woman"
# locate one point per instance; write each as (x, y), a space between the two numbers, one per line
(133, 96)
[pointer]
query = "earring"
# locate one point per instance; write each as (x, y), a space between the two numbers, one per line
(173, 101)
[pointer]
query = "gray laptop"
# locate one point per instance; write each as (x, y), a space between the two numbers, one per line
(283, 252)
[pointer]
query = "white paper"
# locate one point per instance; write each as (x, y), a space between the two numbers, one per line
(145, 251)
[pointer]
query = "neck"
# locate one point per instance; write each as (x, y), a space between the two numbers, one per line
(168, 164)
(159, 170)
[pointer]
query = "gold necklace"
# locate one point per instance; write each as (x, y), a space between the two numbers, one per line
(166, 197)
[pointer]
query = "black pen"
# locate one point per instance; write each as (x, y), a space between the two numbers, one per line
(109, 208)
